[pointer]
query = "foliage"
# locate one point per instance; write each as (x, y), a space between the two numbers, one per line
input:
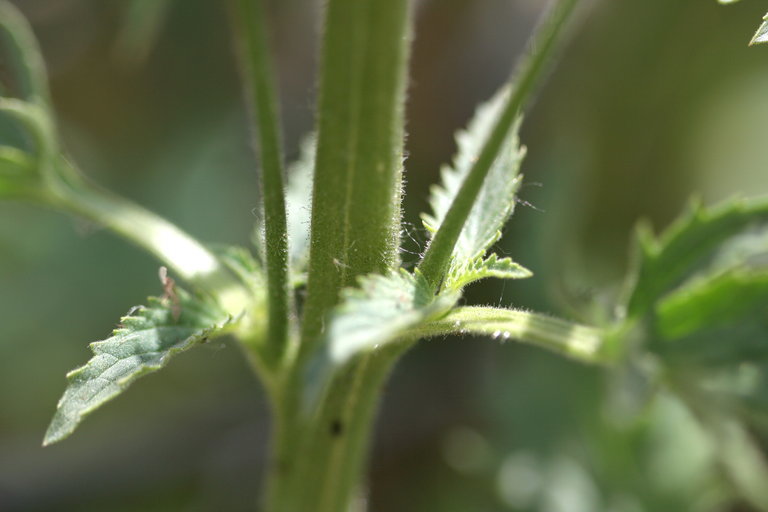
(691, 323)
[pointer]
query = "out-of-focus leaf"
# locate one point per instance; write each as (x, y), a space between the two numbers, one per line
(144, 343)
(715, 302)
(496, 200)
(19, 46)
(141, 25)
(663, 263)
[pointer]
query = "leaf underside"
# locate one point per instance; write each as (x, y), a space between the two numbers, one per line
(494, 205)
(144, 343)
(381, 310)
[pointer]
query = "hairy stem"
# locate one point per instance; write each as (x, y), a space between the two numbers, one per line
(437, 258)
(319, 455)
(357, 185)
(572, 340)
(250, 19)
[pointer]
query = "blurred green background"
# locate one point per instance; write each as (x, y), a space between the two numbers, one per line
(653, 101)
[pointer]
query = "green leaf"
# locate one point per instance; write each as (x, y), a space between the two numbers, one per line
(496, 199)
(572, 340)
(139, 30)
(16, 167)
(381, 310)
(439, 256)
(18, 44)
(144, 343)
(761, 36)
(663, 263)
(719, 301)
(491, 266)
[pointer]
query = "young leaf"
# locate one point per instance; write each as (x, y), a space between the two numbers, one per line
(495, 201)
(438, 257)
(761, 36)
(381, 310)
(491, 266)
(663, 263)
(143, 344)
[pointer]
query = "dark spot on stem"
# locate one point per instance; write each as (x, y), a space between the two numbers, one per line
(336, 428)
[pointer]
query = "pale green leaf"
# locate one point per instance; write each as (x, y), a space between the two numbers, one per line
(761, 36)
(144, 343)
(298, 199)
(496, 200)
(381, 310)
(480, 268)
(663, 263)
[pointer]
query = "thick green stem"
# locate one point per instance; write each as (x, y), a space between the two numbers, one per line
(318, 458)
(257, 68)
(438, 255)
(357, 185)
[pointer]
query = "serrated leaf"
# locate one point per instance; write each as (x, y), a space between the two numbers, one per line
(663, 263)
(381, 310)
(144, 343)
(496, 200)
(480, 268)
(761, 36)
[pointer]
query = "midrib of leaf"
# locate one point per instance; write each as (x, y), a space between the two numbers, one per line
(356, 191)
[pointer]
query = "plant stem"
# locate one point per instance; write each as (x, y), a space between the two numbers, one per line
(358, 171)
(542, 49)
(576, 341)
(250, 19)
(175, 248)
(318, 458)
